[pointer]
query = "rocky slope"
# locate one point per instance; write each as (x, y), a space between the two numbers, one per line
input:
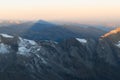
(71, 59)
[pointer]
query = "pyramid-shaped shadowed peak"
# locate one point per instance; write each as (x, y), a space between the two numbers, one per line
(43, 22)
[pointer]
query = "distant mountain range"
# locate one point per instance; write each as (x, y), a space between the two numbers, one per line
(43, 30)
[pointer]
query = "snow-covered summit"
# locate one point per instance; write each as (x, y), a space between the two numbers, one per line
(20, 45)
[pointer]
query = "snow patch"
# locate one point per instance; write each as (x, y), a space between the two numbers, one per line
(6, 36)
(81, 40)
(31, 42)
(25, 47)
(4, 48)
(26, 41)
(118, 44)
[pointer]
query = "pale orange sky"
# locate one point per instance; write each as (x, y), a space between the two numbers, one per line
(74, 10)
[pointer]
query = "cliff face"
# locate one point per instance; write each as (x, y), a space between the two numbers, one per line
(109, 44)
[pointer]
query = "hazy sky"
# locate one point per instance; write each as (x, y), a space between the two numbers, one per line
(76, 10)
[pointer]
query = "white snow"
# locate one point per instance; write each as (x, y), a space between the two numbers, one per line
(4, 48)
(118, 44)
(27, 46)
(6, 36)
(31, 42)
(23, 50)
(38, 49)
(24, 41)
(81, 40)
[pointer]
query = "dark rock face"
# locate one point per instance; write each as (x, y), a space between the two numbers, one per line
(71, 59)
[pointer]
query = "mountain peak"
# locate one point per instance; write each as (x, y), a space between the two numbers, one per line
(115, 31)
(43, 22)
